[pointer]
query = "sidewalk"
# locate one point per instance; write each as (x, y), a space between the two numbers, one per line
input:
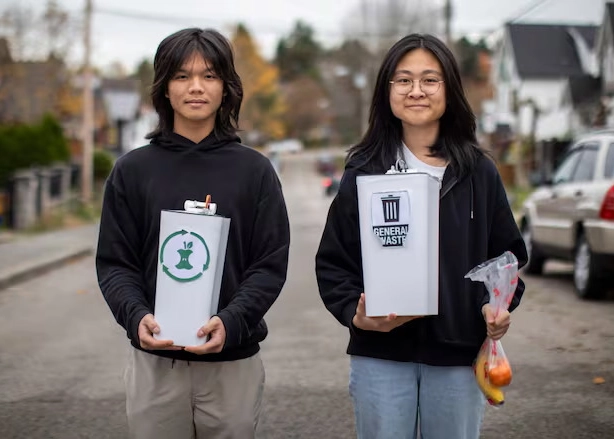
(22, 256)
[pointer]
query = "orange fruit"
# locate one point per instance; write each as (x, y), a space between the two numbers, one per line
(500, 375)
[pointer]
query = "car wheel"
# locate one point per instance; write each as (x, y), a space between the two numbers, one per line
(586, 281)
(536, 260)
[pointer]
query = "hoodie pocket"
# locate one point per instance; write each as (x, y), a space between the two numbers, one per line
(459, 321)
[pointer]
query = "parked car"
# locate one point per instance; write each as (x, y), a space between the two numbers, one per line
(331, 184)
(571, 217)
(288, 145)
(326, 164)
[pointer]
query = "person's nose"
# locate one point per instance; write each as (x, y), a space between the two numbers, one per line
(416, 90)
(196, 85)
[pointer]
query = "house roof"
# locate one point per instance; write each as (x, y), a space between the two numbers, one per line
(548, 50)
(609, 10)
(584, 89)
(28, 90)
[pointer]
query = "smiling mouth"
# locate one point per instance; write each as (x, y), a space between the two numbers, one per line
(196, 102)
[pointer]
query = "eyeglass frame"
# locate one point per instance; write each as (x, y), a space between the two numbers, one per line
(412, 82)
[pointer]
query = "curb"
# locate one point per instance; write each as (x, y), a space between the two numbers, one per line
(35, 269)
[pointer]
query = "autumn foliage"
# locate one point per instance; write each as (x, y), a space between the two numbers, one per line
(263, 108)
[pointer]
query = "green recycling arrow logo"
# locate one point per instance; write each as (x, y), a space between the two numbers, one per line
(184, 256)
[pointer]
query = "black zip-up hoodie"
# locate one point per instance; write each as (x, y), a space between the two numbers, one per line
(476, 224)
(162, 175)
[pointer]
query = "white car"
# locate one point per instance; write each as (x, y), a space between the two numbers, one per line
(288, 145)
(572, 216)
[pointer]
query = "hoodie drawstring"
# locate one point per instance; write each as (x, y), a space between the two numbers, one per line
(471, 187)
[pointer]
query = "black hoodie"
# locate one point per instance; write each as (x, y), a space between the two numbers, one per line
(162, 175)
(476, 224)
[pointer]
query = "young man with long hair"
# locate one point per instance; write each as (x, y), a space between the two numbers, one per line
(213, 390)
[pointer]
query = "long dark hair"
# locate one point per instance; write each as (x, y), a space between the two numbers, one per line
(457, 141)
(172, 53)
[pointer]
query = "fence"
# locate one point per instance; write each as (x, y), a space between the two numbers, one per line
(34, 193)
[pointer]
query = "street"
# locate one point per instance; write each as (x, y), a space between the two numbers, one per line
(62, 354)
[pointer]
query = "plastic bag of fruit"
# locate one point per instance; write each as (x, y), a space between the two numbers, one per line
(492, 368)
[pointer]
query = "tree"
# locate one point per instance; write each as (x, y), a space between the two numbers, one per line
(307, 104)
(145, 74)
(262, 108)
(58, 30)
(115, 70)
(342, 73)
(468, 55)
(37, 37)
(378, 24)
(16, 24)
(298, 54)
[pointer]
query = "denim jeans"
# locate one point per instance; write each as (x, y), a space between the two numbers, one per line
(395, 400)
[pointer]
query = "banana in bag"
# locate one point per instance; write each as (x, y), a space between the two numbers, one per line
(492, 368)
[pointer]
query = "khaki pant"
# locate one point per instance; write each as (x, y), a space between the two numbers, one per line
(181, 400)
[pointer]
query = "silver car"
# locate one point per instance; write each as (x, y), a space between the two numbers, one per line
(572, 216)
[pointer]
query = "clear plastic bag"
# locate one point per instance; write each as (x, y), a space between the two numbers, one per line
(492, 368)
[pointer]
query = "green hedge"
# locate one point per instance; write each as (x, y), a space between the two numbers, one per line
(23, 146)
(103, 163)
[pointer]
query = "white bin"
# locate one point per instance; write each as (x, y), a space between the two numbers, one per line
(399, 233)
(191, 256)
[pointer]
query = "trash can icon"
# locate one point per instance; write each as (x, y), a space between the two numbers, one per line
(390, 204)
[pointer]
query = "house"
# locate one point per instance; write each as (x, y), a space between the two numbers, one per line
(121, 101)
(582, 97)
(538, 71)
(30, 89)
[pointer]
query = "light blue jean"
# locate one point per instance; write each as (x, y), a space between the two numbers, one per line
(396, 400)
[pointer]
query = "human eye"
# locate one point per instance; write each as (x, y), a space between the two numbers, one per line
(180, 76)
(430, 81)
(403, 81)
(211, 76)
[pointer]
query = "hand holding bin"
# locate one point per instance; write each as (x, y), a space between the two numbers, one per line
(492, 368)
(399, 236)
(192, 251)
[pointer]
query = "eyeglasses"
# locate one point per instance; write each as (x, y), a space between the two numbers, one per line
(429, 86)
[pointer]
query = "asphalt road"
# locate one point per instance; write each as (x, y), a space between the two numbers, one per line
(62, 355)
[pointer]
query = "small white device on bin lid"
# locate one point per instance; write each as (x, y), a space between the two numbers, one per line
(200, 207)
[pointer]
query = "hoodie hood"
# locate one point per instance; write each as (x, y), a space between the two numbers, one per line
(176, 142)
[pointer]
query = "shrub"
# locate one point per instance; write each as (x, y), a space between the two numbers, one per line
(23, 146)
(103, 163)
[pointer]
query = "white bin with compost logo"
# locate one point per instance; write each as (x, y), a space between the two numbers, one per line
(399, 234)
(191, 255)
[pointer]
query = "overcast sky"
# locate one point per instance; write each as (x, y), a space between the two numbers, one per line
(129, 39)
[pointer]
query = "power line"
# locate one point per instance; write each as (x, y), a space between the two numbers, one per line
(527, 10)
(262, 28)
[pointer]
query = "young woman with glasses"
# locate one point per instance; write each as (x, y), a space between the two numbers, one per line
(411, 374)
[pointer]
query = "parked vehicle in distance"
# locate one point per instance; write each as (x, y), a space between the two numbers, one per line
(571, 217)
(287, 145)
(326, 164)
(331, 185)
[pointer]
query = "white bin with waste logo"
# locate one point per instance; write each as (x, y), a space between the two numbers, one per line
(399, 235)
(191, 255)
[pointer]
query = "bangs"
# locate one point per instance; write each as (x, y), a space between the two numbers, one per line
(211, 55)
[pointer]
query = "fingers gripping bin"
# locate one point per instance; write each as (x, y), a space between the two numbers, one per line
(191, 254)
(399, 234)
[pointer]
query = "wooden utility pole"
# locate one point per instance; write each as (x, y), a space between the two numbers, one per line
(88, 110)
